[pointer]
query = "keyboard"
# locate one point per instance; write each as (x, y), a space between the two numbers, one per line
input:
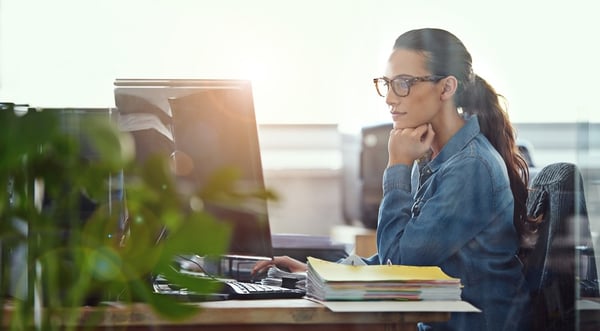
(231, 290)
(242, 290)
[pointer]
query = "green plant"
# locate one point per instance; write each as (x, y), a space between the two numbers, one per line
(99, 259)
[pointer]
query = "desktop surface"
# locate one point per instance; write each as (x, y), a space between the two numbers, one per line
(282, 314)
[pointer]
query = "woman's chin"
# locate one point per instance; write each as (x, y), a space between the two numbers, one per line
(402, 124)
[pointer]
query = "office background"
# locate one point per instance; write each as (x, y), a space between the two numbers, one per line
(311, 63)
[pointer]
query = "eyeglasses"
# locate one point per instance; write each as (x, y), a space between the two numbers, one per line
(401, 84)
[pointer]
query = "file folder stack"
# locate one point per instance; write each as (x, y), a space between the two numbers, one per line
(335, 281)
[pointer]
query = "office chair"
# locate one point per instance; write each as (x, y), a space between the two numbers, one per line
(561, 261)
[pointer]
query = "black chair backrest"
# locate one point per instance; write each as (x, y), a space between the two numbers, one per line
(553, 264)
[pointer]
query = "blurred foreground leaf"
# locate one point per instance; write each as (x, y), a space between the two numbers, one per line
(111, 253)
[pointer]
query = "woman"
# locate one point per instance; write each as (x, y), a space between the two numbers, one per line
(462, 207)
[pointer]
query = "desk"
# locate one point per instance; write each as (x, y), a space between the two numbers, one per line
(281, 314)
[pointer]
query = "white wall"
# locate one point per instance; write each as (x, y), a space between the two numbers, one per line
(311, 61)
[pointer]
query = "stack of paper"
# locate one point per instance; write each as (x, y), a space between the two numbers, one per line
(335, 281)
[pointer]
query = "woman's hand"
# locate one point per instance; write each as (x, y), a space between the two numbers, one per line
(286, 262)
(408, 144)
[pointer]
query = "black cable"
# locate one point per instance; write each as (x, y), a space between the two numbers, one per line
(201, 267)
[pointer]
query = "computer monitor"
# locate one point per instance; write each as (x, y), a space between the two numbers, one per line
(205, 125)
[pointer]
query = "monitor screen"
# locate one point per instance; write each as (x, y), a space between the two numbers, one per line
(204, 126)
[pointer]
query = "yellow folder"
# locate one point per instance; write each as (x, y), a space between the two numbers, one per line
(336, 272)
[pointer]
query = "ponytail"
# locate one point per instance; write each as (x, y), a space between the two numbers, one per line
(478, 97)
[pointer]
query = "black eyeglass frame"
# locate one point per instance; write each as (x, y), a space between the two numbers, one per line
(408, 80)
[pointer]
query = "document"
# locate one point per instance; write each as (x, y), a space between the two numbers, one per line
(353, 259)
(335, 281)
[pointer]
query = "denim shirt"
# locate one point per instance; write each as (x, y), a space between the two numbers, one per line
(457, 213)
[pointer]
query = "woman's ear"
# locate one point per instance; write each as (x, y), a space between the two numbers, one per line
(449, 87)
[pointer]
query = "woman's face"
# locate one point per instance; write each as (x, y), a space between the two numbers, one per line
(423, 102)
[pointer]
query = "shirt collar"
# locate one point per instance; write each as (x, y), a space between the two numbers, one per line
(458, 142)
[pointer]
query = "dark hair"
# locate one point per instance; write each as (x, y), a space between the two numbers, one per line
(447, 56)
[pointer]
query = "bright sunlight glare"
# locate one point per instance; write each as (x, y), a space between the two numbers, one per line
(309, 61)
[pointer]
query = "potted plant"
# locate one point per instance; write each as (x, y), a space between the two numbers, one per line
(65, 260)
